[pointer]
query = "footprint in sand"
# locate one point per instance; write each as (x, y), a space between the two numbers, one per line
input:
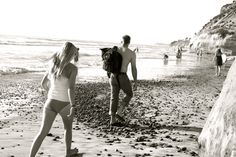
(78, 155)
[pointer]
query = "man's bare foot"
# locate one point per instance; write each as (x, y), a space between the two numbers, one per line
(72, 152)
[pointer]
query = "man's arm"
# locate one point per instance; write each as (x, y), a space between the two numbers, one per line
(134, 70)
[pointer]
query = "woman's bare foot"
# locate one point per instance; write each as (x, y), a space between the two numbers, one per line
(72, 152)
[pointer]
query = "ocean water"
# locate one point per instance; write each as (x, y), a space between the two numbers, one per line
(24, 54)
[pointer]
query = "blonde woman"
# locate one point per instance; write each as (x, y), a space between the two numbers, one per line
(59, 81)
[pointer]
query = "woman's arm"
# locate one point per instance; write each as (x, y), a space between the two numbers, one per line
(71, 90)
(44, 82)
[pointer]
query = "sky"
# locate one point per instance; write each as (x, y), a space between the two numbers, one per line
(146, 21)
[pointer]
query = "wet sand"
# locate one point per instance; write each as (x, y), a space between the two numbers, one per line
(164, 118)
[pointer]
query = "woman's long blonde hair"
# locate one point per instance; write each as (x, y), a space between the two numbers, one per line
(61, 59)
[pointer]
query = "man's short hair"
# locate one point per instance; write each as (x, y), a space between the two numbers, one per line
(126, 39)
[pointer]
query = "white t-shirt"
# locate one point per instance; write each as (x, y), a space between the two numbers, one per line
(59, 88)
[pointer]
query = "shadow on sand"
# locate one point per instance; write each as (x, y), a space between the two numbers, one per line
(78, 155)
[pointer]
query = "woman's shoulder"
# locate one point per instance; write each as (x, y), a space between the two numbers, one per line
(72, 66)
(69, 69)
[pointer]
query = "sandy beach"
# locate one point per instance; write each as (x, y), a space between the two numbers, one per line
(179, 108)
(164, 118)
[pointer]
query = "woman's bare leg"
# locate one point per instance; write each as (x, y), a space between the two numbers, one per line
(219, 70)
(48, 118)
(68, 130)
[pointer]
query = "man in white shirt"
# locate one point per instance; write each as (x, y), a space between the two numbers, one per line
(121, 81)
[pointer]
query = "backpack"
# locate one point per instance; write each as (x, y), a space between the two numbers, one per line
(112, 60)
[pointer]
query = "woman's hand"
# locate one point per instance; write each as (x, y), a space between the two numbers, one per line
(72, 113)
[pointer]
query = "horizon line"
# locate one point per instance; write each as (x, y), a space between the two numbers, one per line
(83, 40)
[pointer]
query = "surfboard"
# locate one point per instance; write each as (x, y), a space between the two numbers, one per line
(223, 58)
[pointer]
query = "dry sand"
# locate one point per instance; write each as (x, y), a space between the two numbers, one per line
(164, 118)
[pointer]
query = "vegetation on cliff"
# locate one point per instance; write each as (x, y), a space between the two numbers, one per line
(219, 31)
(223, 24)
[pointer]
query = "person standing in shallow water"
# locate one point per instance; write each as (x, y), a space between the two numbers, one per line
(179, 53)
(218, 60)
(121, 81)
(59, 81)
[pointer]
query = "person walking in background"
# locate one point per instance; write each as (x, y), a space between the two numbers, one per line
(199, 52)
(59, 81)
(165, 59)
(120, 81)
(136, 49)
(218, 60)
(179, 53)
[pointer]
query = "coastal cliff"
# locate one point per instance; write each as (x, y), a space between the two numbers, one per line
(218, 137)
(220, 30)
